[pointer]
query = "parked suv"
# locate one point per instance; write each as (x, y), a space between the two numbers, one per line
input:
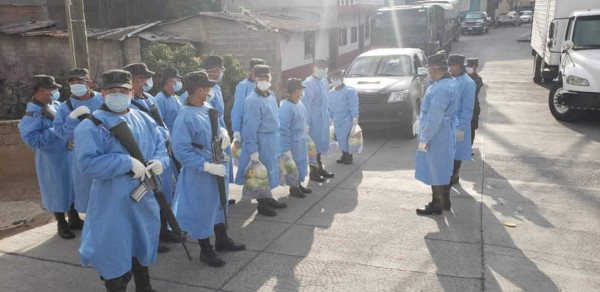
(390, 85)
(475, 22)
(508, 18)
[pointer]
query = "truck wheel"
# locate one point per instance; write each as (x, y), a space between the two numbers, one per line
(537, 69)
(559, 112)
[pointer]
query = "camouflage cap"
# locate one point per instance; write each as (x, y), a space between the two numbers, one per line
(45, 81)
(212, 62)
(197, 79)
(116, 78)
(262, 70)
(456, 59)
(256, 61)
(294, 84)
(79, 73)
(438, 60)
(170, 73)
(139, 69)
(472, 62)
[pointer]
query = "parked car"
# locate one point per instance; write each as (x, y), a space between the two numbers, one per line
(390, 85)
(526, 16)
(475, 22)
(508, 18)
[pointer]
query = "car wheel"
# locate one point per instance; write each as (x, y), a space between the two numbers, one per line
(559, 112)
(537, 69)
(406, 128)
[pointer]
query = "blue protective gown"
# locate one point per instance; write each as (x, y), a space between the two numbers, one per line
(196, 204)
(116, 227)
(242, 90)
(343, 107)
(261, 134)
(167, 175)
(291, 133)
(440, 103)
(168, 107)
(64, 127)
(464, 114)
(218, 103)
(52, 161)
(315, 100)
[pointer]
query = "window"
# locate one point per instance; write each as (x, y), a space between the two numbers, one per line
(368, 28)
(399, 65)
(343, 40)
(309, 44)
(353, 35)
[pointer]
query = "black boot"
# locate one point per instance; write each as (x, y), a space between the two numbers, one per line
(342, 159)
(75, 222)
(264, 208)
(435, 206)
(166, 235)
(296, 192)
(63, 227)
(446, 204)
(349, 159)
(141, 277)
(314, 174)
(454, 179)
(117, 284)
(322, 172)
(208, 255)
(223, 242)
(276, 205)
(305, 190)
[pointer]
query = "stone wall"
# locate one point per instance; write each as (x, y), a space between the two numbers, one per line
(16, 158)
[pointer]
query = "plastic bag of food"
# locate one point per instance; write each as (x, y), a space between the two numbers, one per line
(333, 143)
(311, 148)
(236, 150)
(288, 172)
(256, 181)
(355, 141)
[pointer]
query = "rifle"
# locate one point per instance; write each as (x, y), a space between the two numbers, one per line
(218, 157)
(123, 134)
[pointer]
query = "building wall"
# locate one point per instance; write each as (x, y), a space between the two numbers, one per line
(12, 13)
(17, 159)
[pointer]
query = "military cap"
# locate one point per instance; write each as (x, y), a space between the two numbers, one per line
(456, 59)
(170, 73)
(472, 62)
(212, 62)
(197, 79)
(139, 69)
(116, 78)
(321, 63)
(45, 81)
(79, 73)
(294, 84)
(261, 71)
(438, 60)
(256, 61)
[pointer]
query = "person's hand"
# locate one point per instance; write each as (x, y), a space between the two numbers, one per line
(254, 156)
(288, 154)
(138, 169)
(422, 147)
(354, 121)
(215, 169)
(225, 140)
(237, 136)
(79, 111)
(155, 167)
(417, 127)
(460, 135)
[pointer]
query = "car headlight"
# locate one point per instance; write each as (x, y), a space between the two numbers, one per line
(398, 96)
(577, 81)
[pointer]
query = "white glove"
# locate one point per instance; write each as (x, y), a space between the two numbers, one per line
(155, 167)
(254, 156)
(354, 121)
(81, 110)
(417, 126)
(226, 141)
(237, 136)
(422, 147)
(215, 169)
(288, 154)
(460, 135)
(138, 169)
(306, 130)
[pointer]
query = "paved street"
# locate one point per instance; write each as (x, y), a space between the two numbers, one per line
(359, 231)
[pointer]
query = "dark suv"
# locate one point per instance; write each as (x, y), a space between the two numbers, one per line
(475, 22)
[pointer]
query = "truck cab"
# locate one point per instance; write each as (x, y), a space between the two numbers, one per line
(578, 82)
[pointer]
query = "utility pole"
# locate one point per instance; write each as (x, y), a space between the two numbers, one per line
(77, 33)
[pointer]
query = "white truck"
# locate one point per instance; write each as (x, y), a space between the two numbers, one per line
(565, 43)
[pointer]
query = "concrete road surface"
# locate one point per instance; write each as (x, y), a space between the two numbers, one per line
(359, 231)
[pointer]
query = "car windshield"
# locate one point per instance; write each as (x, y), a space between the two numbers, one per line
(587, 33)
(474, 16)
(371, 66)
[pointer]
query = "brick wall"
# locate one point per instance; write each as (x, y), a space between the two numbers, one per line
(17, 159)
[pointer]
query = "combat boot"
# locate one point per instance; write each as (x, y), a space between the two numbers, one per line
(117, 284)
(63, 227)
(75, 222)
(264, 208)
(305, 190)
(321, 171)
(166, 235)
(296, 192)
(208, 255)
(446, 204)
(274, 204)
(434, 207)
(141, 277)
(342, 159)
(455, 171)
(314, 174)
(223, 242)
(349, 159)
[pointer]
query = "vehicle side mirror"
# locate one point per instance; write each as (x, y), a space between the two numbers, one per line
(422, 71)
(567, 45)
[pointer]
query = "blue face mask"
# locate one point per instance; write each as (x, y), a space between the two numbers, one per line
(178, 85)
(79, 90)
(55, 95)
(149, 84)
(117, 102)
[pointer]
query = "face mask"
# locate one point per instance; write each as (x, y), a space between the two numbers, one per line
(211, 95)
(220, 79)
(149, 84)
(263, 85)
(178, 85)
(55, 95)
(336, 83)
(321, 73)
(117, 102)
(470, 70)
(79, 90)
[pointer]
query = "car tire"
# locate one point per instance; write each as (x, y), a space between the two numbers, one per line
(537, 69)
(560, 113)
(405, 130)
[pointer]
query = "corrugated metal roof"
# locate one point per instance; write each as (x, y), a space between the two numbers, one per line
(23, 27)
(121, 33)
(265, 21)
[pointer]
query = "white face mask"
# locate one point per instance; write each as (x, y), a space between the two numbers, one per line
(211, 95)
(469, 70)
(336, 82)
(263, 85)
(149, 84)
(320, 73)
(117, 102)
(79, 90)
